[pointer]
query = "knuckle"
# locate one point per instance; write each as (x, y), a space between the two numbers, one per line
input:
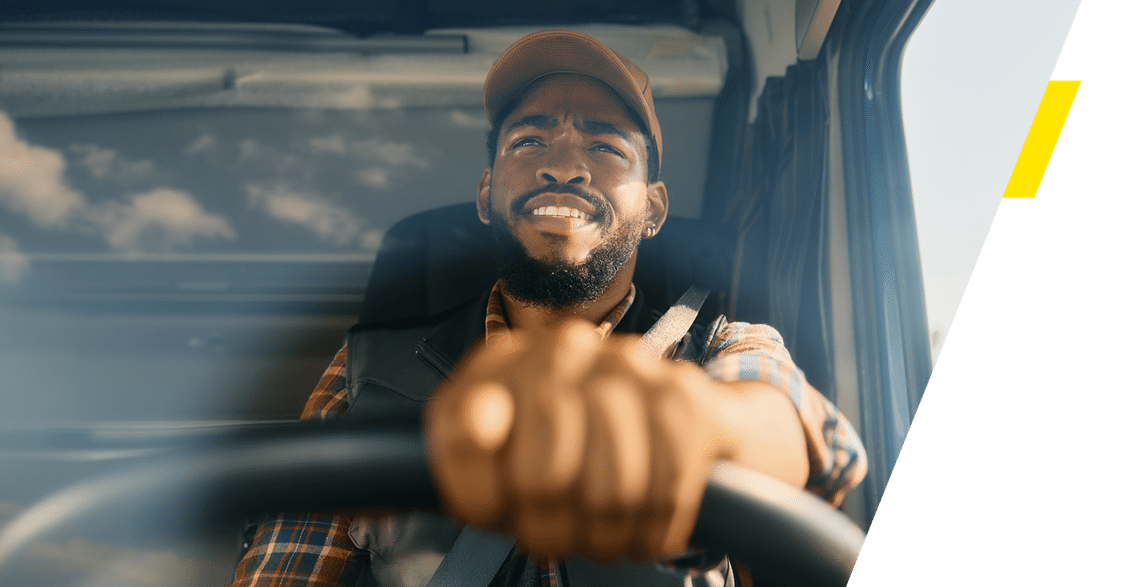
(604, 499)
(546, 530)
(607, 538)
(486, 415)
(662, 503)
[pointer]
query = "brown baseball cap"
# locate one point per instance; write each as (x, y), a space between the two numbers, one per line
(547, 52)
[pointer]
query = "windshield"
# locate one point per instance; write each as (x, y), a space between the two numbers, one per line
(188, 217)
(160, 238)
(204, 213)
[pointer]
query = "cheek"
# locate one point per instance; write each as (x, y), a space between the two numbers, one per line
(631, 199)
(508, 177)
(499, 192)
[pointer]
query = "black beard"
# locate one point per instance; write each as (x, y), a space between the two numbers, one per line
(557, 285)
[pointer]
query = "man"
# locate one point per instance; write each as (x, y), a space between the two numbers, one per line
(551, 430)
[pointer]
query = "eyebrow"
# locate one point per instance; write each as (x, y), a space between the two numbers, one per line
(597, 127)
(594, 127)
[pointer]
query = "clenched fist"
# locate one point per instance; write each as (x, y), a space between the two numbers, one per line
(575, 444)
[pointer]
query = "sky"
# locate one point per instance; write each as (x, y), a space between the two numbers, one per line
(970, 88)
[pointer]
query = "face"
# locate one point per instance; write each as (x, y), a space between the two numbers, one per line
(569, 179)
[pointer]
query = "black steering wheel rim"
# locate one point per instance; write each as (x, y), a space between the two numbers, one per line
(777, 530)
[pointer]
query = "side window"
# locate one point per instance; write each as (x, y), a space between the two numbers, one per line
(967, 107)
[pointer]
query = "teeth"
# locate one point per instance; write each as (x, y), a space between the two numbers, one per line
(560, 211)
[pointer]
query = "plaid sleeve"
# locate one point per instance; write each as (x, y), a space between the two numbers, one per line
(744, 351)
(330, 399)
(302, 550)
(307, 550)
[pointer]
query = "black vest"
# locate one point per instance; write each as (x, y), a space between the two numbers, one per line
(392, 368)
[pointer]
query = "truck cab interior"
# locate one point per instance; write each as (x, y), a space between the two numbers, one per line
(199, 197)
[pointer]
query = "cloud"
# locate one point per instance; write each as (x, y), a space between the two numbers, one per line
(286, 192)
(391, 153)
(13, 266)
(104, 163)
(374, 177)
(250, 151)
(202, 144)
(32, 180)
(330, 144)
(369, 150)
(378, 157)
(98, 161)
(33, 184)
(160, 219)
(327, 220)
(371, 240)
(464, 119)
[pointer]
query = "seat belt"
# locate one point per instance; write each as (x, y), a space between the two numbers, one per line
(478, 554)
(473, 560)
(675, 323)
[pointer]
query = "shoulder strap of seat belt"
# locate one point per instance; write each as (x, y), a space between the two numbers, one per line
(473, 560)
(675, 323)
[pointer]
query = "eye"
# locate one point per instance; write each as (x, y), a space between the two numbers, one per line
(608, 149)
(526, 142)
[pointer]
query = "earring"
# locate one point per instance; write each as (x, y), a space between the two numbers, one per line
(650, 231)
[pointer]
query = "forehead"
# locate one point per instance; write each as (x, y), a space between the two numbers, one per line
(576, 97)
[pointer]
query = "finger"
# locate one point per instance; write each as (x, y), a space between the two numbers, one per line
(649, 539)
(547, 528)
(626, 355)
(463, 433)
(488, 360)
(690, 489)
(616, 466)
(567, 352)
(466, 423)
(544, 456)
(680, 459)
(488, 415)
(618, 445)
(545, 453)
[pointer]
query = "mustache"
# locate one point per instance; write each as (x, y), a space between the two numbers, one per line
(601, 210)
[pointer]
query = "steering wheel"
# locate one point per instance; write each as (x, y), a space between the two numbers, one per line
(777, 530)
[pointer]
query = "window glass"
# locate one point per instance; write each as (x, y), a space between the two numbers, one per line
(205, 263)
(967, 106)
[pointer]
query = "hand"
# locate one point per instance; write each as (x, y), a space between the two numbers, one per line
(575, 444)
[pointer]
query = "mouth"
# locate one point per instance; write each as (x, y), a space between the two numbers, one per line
(562, 212)
(561, 203)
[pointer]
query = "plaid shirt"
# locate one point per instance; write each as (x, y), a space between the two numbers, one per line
(314, 550)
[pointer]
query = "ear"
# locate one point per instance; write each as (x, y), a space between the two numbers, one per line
(483, 197)
(657, 200)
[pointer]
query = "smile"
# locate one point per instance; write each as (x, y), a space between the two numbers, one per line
(561, 211)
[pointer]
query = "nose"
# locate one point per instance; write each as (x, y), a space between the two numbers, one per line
(564, 164)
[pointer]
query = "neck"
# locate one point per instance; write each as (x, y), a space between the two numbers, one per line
(527, 317)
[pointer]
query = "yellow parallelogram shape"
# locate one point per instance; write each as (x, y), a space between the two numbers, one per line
(1042, 138)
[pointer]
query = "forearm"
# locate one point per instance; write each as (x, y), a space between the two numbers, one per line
(763, 429)
(755, 353)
